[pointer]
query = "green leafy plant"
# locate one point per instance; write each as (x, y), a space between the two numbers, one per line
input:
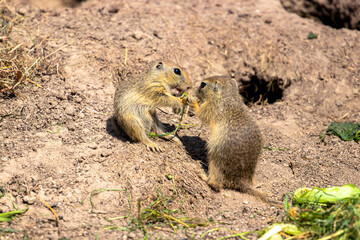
(347, 131)
(319, 213)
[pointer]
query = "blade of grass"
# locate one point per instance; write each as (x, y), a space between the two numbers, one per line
(209, 231)
(153, 135)
(127, 215)
(7, 217)
(176, 220)
(57, 131)
(272, 149)
(9, 230)
(35, 83)
(97, 191)
(11, 114)
(236, 235)
(12, 213)
(46, 204)
(19, 45)
(59, 49)
(334, 235)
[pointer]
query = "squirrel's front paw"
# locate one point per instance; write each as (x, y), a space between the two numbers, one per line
(153, 147)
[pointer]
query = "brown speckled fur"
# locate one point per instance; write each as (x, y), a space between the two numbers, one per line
(235, 142)
(135, 101)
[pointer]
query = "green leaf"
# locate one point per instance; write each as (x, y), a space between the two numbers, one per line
(311, 35)
(325, 195)
(347, 131)
(9, 230)
(7, 217)
(169, 176)
(272, 232)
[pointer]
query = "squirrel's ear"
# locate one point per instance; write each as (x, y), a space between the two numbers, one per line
(159, 65)
(217, 86)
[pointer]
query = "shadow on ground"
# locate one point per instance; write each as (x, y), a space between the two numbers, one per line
(196, 148)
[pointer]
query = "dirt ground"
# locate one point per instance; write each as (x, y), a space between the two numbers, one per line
(63, 146)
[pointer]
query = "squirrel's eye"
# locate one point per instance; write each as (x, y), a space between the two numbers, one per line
(202, 85)
(177, 71)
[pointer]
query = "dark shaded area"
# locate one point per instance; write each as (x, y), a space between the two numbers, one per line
(119, 133)
(116, 131)
(72, 3)
(196, 148)
(334, 13)
(259, 89)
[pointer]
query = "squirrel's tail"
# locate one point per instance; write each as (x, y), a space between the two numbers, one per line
(246, 188)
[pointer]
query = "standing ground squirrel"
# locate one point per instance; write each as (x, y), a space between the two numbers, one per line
(235, 141)
(136, 100)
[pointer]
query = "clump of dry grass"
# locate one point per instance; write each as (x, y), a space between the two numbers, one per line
(161, 211)
(18, 62)
(12, 57)
(10, 75)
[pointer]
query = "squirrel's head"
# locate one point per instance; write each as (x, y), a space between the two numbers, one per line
(216, 88)
(173, 75)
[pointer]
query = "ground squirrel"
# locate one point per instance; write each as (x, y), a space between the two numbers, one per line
(235, 141)
(136, 100)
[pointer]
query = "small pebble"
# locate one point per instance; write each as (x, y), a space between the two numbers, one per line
(29, 199)
(70, 110)
(71, 125)
(105, 153)
(4, 209)
(132, 235)
(93, 146)
(246, 202)
(78, 99)
(227, 195)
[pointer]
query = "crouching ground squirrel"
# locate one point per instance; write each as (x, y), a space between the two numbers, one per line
(136, 100)
(235, 141)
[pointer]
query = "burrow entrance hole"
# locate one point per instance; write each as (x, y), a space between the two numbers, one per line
(258, 89)
(334, 13)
